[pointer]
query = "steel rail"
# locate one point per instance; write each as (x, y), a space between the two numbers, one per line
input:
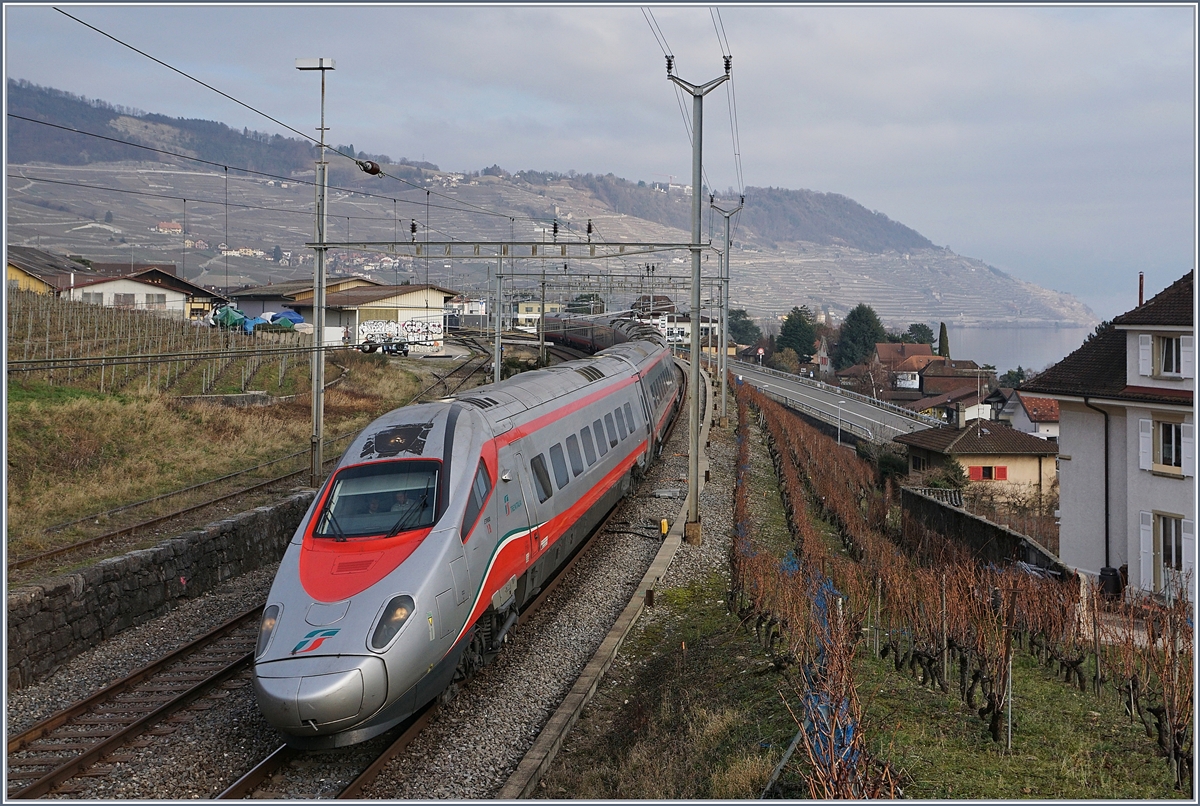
(95, 752)
(245, 785)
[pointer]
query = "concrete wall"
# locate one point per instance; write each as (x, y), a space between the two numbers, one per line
(989, 542)
(50, 623)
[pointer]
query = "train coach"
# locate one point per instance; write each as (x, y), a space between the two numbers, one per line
(441, 521)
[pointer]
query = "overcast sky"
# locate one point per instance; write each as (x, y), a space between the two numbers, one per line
(1057, 144)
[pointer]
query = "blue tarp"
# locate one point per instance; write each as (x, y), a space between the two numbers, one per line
(250, 324)
(291, 316)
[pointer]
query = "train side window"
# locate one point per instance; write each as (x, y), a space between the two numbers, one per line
(612, 430)
(621, 422)
(559, 463)
(479, 493)
(629, 417)
(589, 450)
(541, 477)
(573, 455)
(598, 427)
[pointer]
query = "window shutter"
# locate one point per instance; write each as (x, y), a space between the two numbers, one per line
(1146, 444)
(1001, 473)
(975, 473)
(1147, 551)
(1189, 553)
(1187, 356)
(1188, 449)
(1145, 354)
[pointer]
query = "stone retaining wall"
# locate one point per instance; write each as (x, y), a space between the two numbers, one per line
(51, 623)
(988, 541)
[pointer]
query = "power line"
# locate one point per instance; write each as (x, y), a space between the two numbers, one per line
(268, 117)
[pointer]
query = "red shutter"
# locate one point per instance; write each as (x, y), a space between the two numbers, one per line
(1001, 473)
(975, 473)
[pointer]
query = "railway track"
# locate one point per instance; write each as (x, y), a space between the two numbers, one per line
(86, 738)
(449, 384)
(258, 783)
(286, 763)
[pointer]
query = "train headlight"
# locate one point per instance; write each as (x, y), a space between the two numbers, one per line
(266, 629)
(394, 615)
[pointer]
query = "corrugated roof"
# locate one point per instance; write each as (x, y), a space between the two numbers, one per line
(979, 437)
(364, 295)
(1171, 306)
(46, 266)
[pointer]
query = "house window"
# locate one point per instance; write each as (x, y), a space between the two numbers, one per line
(1166, 356)
(1168, 547)
(988, 472)
(156, 302)
(123, 300)
(918, 463)
(1167, 447)
(93, 297)
(1169, 356)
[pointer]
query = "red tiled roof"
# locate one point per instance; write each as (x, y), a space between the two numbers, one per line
(1039, 409)
(892, 353)
(979, 437)
(916, 363)
(1171, 306)
(963, 393)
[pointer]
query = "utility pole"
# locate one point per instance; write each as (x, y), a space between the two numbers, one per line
(499, 316)
(721, 362)
(316, 473)
(691, 529)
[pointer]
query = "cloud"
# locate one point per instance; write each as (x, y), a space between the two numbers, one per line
(1056, 143)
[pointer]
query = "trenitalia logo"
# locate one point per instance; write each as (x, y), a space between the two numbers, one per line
(314, 639)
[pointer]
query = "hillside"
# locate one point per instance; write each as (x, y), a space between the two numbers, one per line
(792, 247)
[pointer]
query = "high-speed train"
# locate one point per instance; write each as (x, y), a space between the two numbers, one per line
(440, 522)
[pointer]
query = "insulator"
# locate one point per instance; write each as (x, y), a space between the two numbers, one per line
(414, 228)
(728, 63)
(589, 231)
(369, 166)
(670, 64)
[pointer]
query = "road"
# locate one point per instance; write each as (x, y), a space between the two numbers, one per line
(873, 420)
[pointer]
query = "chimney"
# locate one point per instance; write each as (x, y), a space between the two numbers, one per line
(960, 414)
(1141, 287)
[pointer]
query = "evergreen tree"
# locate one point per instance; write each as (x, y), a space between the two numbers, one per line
(919, 333)
(108, 217)
(742, 329)
(798, 334)
(943, 342)
(861, 331)
(277, 254)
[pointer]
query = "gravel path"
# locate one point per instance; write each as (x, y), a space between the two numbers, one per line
(477, 740)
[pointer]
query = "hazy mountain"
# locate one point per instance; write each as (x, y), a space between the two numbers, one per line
(791, 247)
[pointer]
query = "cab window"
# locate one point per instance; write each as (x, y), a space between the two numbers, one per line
(480, 488)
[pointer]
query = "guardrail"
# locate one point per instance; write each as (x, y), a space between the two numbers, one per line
(814, 383)
(844, 425)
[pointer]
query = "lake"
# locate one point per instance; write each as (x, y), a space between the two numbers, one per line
(1006, 346)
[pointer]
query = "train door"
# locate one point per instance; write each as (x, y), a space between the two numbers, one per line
(519, 503)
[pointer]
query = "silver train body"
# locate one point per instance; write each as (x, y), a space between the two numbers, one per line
(441, 521)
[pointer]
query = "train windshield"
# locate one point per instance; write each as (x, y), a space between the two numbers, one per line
(383, 498)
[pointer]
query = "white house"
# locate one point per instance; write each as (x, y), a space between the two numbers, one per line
(128, 292)
(1127, 447)
(1033, 415)
(418, 311)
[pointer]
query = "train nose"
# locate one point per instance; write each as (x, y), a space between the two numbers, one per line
(320, 695)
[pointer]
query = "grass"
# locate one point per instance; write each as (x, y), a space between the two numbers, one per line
(73, 452)
(693, 707)
(690, 710)
(1066, 743)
